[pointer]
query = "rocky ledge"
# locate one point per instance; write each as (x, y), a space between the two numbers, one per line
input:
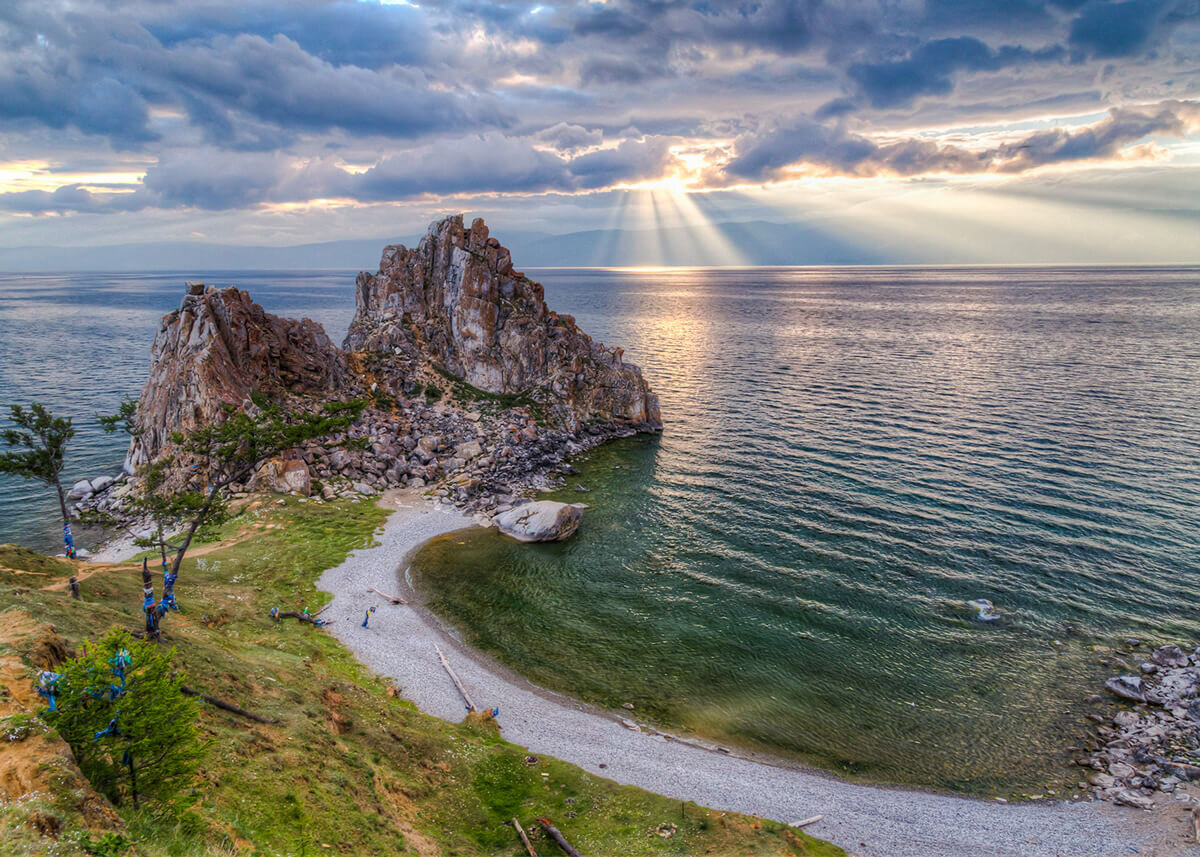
(1152, 747)
(476, 389)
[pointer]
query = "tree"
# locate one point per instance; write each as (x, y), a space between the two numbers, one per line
(166, 510)
(225, 453)
(43, 437)
(122, 710)
(231, 450)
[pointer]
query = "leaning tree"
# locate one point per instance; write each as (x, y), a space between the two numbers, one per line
(41, 441)
(224, 453)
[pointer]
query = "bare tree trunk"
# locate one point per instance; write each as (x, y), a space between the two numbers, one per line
(132, 779)
(195, 525)
(148, 606)
(68, 542)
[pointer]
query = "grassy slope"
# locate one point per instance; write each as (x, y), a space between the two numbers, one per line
(350, 769)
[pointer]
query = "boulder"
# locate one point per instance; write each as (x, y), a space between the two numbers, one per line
(79, 490)
(284, 476)
(1128, 798)
(468, 451)
(1164, 656)
(541, 521)
(100, 483)
(1127, 687)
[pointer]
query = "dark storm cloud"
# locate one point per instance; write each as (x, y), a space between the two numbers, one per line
(930, 69)
(1108, 30)
(341, 33)
(833, 149)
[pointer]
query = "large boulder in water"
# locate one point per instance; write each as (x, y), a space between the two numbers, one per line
(542, 521)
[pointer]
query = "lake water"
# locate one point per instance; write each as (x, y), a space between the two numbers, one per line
(851, 455)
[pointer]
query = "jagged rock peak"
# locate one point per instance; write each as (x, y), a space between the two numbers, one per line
(456, 301)
(217, 349)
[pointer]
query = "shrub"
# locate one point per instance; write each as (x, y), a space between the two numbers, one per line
(122, 710)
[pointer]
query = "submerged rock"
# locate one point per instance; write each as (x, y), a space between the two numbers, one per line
(1127, 686)
(541, 521)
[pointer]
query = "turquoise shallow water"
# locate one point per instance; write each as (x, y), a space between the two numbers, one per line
(850, 456)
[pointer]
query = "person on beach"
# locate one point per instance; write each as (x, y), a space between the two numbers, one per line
(367, 615)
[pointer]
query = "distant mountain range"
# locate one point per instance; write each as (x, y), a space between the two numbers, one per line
(743, 243)
(748, 243)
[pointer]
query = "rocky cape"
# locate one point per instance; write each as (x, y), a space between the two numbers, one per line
(476, 389)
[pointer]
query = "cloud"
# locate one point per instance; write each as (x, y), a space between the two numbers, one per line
(834, 150)
(930, 69)
(567, 137)
(1109, 30)
(216, 180)
(70, 199)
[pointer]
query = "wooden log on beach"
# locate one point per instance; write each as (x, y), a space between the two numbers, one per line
(296, 614)
(557, 836)
(807, 821)
(394, 599)
(227, 706)
(454, 677)
(524, 839)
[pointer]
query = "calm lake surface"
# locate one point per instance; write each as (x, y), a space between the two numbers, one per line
(851, 455)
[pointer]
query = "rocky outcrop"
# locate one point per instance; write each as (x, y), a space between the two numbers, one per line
(475, 389)
(217, 349)
(1152, 749)
(456, 301)
(541, 521)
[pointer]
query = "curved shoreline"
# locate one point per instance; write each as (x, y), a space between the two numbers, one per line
(877, 821)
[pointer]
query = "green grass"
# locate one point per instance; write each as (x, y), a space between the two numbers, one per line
(349, 769)
(22, 567)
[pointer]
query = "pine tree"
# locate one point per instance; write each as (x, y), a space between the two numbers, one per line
(43, 437)
(122, 710)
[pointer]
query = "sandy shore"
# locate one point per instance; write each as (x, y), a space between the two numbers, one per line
(866, 820)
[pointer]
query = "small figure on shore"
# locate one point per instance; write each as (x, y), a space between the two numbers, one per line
(367, 615)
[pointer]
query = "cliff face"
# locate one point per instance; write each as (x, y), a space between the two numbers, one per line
(456, 301)
(217, 349)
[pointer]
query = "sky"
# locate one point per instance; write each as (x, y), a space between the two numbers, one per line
(949, 130)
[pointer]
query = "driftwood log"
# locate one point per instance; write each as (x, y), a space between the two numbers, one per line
(454, 677)
(557, 836)
(394, 599)
(227, 706)
(524, 839)
(296, 614)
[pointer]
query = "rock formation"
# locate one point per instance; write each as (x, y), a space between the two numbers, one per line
(476, 389)
(456, 301)
(217, 349)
